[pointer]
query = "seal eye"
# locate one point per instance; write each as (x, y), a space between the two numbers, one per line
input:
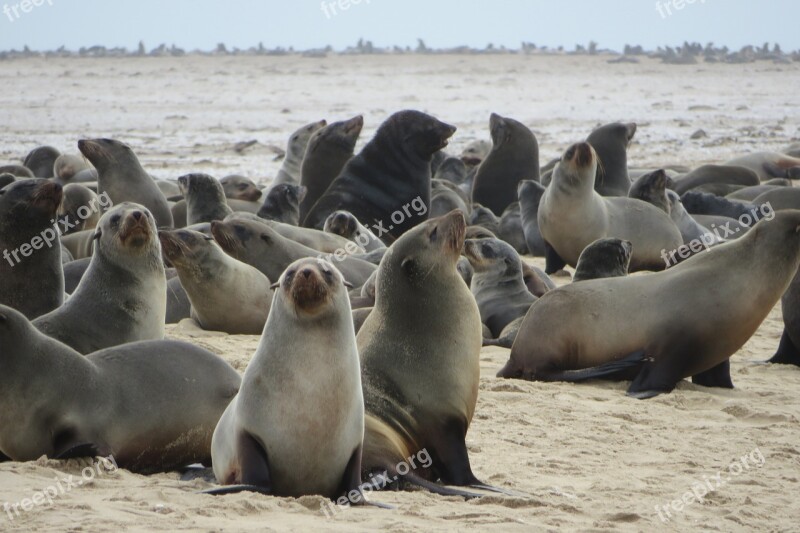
(487, 251)
(433, 234)
(115, 220)
(267, 239)
(409, 267)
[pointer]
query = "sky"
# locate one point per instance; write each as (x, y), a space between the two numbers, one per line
(305, 24)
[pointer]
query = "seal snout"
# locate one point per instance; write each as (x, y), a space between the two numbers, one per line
(580, 154)
(47, 196)
(135, 229)
(453, 227)
(308, 284)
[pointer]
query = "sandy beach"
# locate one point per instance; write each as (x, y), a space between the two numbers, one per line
(583, 457)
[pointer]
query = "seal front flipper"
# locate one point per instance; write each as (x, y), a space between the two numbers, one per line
(654, 378)
(718, 376)
(4, 458)
(253, 467)
(68, 445)
(351, 481)
(553, 261)
(787, 353)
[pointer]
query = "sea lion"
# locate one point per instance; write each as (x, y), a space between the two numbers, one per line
(293, 430)
(510, 228)
(120, 174)
(346, 225)
(282, 203)
(40, 161)
(238, 187)
(788, 352)
(295, 151)
(205, 198)
(261, 246)
(514, 157)
(610, 328)
(329, 149)
(170, 189)
(390, 174)
(497, 283)
(725, 228)
(31, 277)
(530, 194)
(611, 142)
(152, 405)
(572, 215)
(421, 373)
(226, 294)
(66, 166)
(122, 296)
(604, 258)
(713, 174)
(770, 165)
(80, 209)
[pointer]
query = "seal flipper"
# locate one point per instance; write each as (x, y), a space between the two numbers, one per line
(253, 465)
(718, 376)
(614, 370)
(787, 353)
(4, 458)
(351, 480)
(68, 445)
(654, 378)
(553, 262)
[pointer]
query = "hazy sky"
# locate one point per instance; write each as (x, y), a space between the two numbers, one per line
(441, 23)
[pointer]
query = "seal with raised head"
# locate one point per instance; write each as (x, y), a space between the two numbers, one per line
(152, 405)
(572, 215)
(120, 174)
(226, 294)
(122, 297)
(238, 187)
(420, 372)
(205, 198)
(391, 171)
(31, 277)
(514, 157)
(295, 151)
(282, 203)
(293, 430)
(611, 142)
(329, 149)
(609, 328)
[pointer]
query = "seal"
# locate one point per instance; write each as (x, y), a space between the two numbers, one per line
(178, 304)
(604, 258)
(226, 294)
(391, 171)
(292, 430)
(120, 174)
(153, 405)
(691, 230)
(7, 178)
(40, 161)
(31, 276)
(514, 157)
(652, 188)
(282, 203)
(572, 215)
(179, 215)
(344, 224)
(329, 149)
(475, 152)
(783, 198)
(611, 142)
(259, 245)
(497, 283)
(420, 390)
(205, 198)
(445, 196)
(18, 171)
(703, 203)
(453, 170)
(67, 166)
(80, 209)
(238, 187)
(484, 217)
(122, 296)
(715, 174)
(510, 228)
(80, 243)
(788, 352)
(312, 238)
(609, 328)
(748, 194)
(295, 151)
(530, 194)
(769, 165)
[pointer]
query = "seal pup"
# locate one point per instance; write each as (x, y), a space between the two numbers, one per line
(205, 198)
(122, 296)
(152, 405)
(80, 209)
(497, 283)
(510, 228)
(714, 175)
(514, 157)
(453, 170)
(604, 258)
(610, 328)
(238, 187)
(445, 196)
(346, 225)
(67, 166)
(40, 161)
(652, 188)
(530, 194)
(120, 174)
(769, 165)
(282, 203)
(420, 390)
(292, 430)
(295, 151)
(329, 149)
(484, 218)
(261, 246)
(390, 174)
(31, 276)
(572, 215)
(610, 143)
(475, 152)
(226, 294)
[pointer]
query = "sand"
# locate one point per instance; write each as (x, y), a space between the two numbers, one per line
(583, 457)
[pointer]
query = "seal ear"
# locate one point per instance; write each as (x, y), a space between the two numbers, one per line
(3, 318)
(97, 234)
(275, 285)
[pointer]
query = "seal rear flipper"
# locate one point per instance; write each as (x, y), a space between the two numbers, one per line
(435, 488)
(79, 450)
(654, 378)
(553, 261)
(787, 353)
(718, 376)
(235, 489)
(618, 370)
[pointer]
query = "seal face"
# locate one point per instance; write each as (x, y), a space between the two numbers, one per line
(604, 258)
(295, 151)
(205, 198)
(294, 430)
(240, 188)
(282, 203)
(611, 142)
